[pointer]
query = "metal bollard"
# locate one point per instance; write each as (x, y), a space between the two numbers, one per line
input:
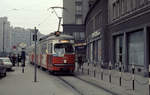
(110, 68)
(149, 79)
(82, 69)
(22, 69)
(120, 74)
(88, 71)
(94, 73)
(133, 77)
(102, 71)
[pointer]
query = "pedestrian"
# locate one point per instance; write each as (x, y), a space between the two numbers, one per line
(80, 62)
(23, 57)
(18, 59)
(14, 59)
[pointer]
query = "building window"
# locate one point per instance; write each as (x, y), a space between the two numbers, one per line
(79, 10)
(95, 51)
(88, 53)
(114, 10)
(136, 48)
(91, 52)
(79, 35)
(119, 49)
(82, 35)
(98, 21)
(79, 20)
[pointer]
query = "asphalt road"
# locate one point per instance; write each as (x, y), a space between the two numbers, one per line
(18, 83)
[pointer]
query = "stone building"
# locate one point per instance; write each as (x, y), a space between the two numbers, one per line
(117, 31)
(96, 29)
(129, 34)
(5, 34)
(74, 14)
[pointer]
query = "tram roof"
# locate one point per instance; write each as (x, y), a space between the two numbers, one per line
(52, 36)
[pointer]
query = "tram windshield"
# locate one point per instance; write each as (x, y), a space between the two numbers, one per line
(64, 48)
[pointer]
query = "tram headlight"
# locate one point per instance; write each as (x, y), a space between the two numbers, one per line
(65, 61)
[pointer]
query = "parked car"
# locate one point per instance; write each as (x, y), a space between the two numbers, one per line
(7, 63)
(2, 68)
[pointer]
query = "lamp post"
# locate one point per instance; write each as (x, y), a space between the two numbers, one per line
(35, 65)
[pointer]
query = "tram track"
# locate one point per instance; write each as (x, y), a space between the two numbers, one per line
(96, 85)
(71, 86)
(87, 88)
(74, 83)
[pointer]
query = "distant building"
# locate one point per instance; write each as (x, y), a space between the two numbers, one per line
(5, 35)
(21, 35)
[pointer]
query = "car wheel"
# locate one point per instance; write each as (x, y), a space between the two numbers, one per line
(5, 74)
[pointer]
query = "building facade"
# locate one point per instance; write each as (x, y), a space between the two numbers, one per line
(73, 21)
(21, 35)
(96, 30)
(5, 35)
(129, 33)
(117, 31)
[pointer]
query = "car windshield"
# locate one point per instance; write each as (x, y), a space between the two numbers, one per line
(64, 48)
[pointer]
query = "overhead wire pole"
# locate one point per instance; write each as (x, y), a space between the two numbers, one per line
(59, 18)
(35, 63)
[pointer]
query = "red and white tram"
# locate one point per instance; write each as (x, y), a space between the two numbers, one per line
(55, 53)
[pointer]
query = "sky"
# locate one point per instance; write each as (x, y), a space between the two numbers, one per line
(31, 13)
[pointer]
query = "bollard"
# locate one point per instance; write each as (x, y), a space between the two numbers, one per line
(82, 69)
(120, 74)
(88, 71)
(102, 71)
(149, 79)
(133, 71)
(23, 65)
(110, 67)
(94, 73)
(22, 69)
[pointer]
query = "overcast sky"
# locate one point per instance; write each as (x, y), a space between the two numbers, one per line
(31, 13)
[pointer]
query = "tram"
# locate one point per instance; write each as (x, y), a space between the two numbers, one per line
(55, 53)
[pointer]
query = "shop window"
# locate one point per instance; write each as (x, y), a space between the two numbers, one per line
(136, 48)
(99, 50)
(118, 49)
(91, 52)
(95, 49)
(82, 35)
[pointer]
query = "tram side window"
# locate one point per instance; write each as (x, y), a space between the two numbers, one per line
(50, 48)
(43, 48)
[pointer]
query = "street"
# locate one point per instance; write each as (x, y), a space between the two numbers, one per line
(18, 83)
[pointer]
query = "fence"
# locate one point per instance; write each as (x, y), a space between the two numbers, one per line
(126, 80)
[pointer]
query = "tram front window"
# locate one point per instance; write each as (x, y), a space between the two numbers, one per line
(64, 48)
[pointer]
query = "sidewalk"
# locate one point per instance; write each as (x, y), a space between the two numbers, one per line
(18, 83)
(141, 83)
